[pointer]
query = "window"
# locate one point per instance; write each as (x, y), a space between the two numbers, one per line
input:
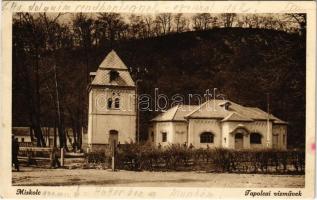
(238, 136)
(152, 136)
(206, 137)
(255, 138)
(109, 104)
(164, 137)
(113, 75)
(284, 139)
(117, 103)
(22, 139)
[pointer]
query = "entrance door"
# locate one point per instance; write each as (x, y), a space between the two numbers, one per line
(238, 141)
(113, 137)
(275, 142)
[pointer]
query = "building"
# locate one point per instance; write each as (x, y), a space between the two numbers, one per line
(111, 112)
(218, 123)
(22, 134)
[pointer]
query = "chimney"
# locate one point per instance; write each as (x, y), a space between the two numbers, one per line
(226, 105)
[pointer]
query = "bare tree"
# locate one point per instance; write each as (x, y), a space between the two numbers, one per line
(203, 21)
(300, 19)
(180, 23)
(30, 46)
(83, 28)
(112, 24)
(137, 27)
(228, 19)
(149, 23)
(164, 23)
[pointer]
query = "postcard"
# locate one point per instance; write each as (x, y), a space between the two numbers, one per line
(158, 99)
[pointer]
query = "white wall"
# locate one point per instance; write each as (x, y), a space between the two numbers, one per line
(159, 128)
(221, 130)
(179, 132)
(281, 130)
(101, 119)
(102, 124)
(198, 126)
(257, 126)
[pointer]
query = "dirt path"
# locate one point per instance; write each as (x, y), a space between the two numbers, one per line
(51, 177)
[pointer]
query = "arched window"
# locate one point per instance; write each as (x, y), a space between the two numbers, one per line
(117, 103)
(255, 138)
(109, 103)
(206, 137)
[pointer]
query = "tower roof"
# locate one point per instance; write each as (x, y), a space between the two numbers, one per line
(113, 61)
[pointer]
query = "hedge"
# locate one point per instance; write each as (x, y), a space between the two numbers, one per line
(179, 158)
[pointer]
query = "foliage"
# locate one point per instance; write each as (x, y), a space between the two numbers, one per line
(230, 59)
(96, 157)
(179, 158)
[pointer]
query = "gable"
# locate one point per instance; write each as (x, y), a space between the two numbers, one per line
(210, 109)
(236, 117)
(112, 63)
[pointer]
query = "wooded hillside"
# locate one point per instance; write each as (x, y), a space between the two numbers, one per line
(242, 63)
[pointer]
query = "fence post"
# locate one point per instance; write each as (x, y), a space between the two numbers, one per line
(62, 156)
(51, 158)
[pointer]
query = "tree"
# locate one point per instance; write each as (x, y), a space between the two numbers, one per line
(137, 27)
(180, 23)
(300, 19)
(83, 28)
(228, 19)
(53, 32)
(164, 23)
(149, 22)
(203, 21)
(30, 46)
(112, 24)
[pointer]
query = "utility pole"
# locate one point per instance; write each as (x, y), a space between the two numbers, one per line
(268, 135)
(138, 80)
(137, 110)
(58, 108)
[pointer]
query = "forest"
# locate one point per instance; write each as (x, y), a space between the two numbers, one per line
(243, 56)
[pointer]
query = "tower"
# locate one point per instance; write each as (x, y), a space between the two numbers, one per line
(111, 112)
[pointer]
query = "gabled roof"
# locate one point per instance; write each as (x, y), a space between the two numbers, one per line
(236, 117)
(176, 113)
(214, 109)
(210, 109)
(110, 63)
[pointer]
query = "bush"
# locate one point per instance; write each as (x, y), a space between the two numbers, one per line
(96, 157)
(177, 157)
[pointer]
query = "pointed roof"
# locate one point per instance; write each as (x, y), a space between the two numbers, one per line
(113, 61)
(176, 113)
(110, 63)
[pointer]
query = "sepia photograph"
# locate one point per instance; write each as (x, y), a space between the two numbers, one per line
(185, 99)
(160, 100)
